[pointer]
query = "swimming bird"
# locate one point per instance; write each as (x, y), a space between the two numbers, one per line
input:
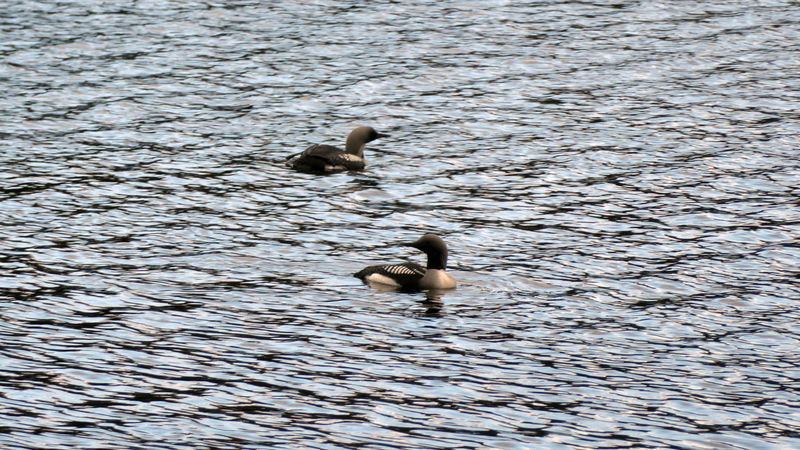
(412, 276)
(323, 158)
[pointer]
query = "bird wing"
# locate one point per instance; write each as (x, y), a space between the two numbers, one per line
(322, 151)
(320, 157)
(406, 274)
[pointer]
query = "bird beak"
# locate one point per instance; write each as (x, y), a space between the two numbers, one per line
(381, 135)
(408, 244)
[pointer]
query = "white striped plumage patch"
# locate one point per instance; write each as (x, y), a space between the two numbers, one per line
(400, 270)
(350, 157)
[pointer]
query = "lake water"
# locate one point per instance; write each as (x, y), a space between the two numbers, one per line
(618, 183)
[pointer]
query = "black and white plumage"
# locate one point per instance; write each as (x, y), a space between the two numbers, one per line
(405, 274)
(412, 276)
(323, 158)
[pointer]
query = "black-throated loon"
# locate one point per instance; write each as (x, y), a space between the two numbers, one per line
(327, 158)
(413, 276)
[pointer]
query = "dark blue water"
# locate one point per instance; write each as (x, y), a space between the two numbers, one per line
(618, 184)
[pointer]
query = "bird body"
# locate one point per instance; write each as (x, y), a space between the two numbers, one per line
(412, 276)
(323, 158)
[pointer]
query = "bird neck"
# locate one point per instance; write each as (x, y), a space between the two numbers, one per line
(437, 260)
(355, 146)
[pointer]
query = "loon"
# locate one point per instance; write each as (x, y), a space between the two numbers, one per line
(323, 158)
(412, 276)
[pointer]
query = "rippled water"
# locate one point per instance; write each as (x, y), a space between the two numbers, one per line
(618, 183)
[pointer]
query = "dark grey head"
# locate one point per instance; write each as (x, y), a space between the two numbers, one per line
(359, 137)
(434, 247)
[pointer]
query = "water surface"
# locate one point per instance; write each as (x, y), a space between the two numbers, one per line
(618, 184)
